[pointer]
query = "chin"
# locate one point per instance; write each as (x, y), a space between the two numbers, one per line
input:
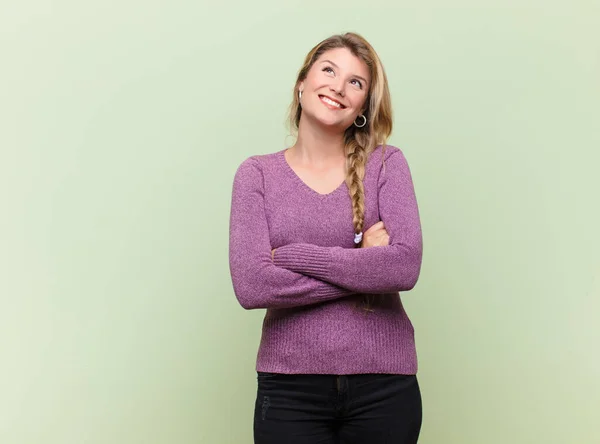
(331, 123)
(333, 126)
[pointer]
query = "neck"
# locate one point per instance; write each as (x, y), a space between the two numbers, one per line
(318, 145)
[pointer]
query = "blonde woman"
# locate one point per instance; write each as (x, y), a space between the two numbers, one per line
(325, 235)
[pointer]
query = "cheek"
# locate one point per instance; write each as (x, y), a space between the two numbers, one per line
(358, 100)
(314, 77)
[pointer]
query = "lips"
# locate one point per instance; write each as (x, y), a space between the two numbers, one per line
(328, 100)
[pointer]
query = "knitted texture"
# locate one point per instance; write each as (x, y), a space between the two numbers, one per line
(313, 287)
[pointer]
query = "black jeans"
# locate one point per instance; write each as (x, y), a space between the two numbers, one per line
(329, 409)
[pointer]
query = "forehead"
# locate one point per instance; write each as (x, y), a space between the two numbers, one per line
(346, 61)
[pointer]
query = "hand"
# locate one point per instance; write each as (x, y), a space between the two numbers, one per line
(376, 236)
(273, 254)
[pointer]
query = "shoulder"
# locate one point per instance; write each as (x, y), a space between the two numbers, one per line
(389, 164)
(382, 155)
(255, 166)
(385, 152)
(258, 163)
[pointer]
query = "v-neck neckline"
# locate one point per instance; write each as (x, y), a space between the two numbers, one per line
(287, 167)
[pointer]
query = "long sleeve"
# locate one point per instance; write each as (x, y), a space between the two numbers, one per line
(257, 281)
(391, 268)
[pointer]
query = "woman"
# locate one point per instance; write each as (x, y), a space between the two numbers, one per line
(325, 235)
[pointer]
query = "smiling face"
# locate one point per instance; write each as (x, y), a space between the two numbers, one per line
(335, 89)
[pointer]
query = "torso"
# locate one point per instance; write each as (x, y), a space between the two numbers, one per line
(304, 205)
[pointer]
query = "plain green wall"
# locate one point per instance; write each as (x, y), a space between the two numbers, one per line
(122, 124)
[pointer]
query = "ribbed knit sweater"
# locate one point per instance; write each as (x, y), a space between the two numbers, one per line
(312, 288)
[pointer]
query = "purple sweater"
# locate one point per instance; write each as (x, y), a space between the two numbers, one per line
(313, 323)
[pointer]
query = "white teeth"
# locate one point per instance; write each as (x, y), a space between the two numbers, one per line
(331, 102)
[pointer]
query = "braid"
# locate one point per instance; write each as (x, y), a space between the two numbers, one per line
(357, 159)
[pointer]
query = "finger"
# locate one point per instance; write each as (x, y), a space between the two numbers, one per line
(379, 233)
(374, 233)
(374, 236)
(374, 227)
(379, 240)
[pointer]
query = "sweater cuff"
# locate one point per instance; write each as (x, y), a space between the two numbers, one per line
(306, 259)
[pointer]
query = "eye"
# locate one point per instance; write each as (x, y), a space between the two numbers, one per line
(329, 68)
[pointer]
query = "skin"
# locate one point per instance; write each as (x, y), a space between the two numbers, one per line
(318, 156)
(376, 236)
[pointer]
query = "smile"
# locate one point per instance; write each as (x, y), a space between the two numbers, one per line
(331, 102)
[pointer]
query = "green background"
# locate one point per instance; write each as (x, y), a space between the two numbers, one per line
(122, 124)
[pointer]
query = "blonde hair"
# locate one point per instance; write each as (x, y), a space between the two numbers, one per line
(358, 142)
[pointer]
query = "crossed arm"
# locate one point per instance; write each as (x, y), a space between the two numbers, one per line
(257, 281)
(303, 274)
(391, 268)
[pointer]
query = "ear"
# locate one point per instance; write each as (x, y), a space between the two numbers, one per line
(301, 86)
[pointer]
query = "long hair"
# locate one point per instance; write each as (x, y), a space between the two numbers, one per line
(358, 142)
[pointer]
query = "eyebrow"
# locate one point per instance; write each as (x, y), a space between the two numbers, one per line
(357, 76)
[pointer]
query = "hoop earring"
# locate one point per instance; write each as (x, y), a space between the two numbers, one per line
(299, 95)
(364, 123)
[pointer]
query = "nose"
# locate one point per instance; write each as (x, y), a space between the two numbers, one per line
(338, 87)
